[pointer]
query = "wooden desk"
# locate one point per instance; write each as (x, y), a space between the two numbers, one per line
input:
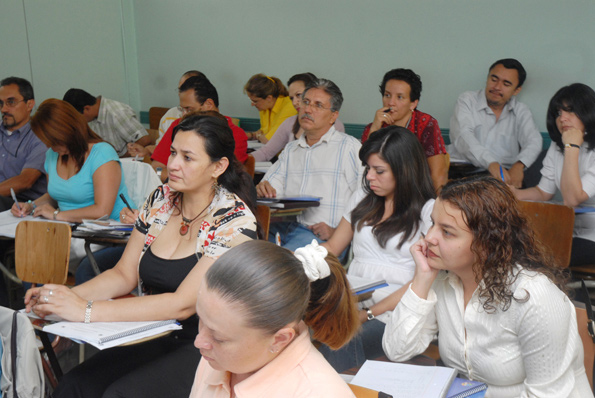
(98, 239)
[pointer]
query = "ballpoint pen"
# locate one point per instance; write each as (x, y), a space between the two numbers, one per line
(14, 197)
(126, 202)
(501, 173)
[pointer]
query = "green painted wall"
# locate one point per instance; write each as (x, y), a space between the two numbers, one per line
(61, 44)
(449, 43)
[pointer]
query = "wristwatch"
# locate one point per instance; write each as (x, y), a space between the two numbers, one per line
(56, 213)
(369, 312)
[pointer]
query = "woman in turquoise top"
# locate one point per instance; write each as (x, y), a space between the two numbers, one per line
(85, 177)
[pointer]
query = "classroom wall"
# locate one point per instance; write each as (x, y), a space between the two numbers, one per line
(449, 43)
(61, 44)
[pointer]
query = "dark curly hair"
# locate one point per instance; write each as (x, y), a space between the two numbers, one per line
(502, 239)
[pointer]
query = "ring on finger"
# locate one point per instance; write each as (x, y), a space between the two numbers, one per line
(51, 292)
(46, 299)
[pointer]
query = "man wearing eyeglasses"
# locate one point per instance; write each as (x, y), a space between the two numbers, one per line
(22, 154)
(323, 162)
(197, 94)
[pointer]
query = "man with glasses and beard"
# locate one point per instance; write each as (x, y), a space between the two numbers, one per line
(22, 154)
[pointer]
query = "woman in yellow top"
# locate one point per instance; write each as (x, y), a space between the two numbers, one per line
(270, 97)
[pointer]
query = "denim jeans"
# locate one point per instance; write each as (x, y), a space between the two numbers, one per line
(367, 344)
(295, 235)
(106, 258)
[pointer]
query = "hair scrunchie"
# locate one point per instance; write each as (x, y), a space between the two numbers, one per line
(313, 257)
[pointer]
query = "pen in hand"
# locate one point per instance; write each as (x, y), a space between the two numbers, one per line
(126, 202)
(501, 173)
(14, 197)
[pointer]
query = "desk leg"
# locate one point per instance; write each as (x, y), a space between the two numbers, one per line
(47, 345)
(91, 257)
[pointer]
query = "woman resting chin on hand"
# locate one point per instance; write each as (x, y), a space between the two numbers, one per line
(484, 284)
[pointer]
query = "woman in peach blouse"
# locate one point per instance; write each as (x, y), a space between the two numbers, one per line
(255, 306)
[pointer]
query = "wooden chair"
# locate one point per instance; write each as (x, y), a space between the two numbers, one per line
(155, 115)
(553, 225)
(250, 165)
(588, 345)
(42, 251)
(263, 217)
(363, 392)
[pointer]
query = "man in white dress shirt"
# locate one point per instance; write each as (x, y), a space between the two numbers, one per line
(494, 131)
(323, 162)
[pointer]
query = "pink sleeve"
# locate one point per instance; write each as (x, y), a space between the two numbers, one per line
(276, 144)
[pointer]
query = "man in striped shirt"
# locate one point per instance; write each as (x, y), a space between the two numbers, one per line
(113, 121)
(323, 162)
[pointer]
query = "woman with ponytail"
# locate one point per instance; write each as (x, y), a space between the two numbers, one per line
(256, 305)
(271, 98)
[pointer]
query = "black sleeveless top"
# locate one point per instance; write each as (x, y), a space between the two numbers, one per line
(161, 275)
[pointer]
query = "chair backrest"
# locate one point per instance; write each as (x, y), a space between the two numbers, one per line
(553, 225)
(42, 251)
(26, 360)
(155, 115)
(363, 392)
(140, 179)
(153, 135)
(588, 345)
(263, 217)
(250, 165)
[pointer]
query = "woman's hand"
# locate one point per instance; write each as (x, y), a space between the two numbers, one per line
(424, 273)
(383, 115)
(573, 136)
(26, 208)
(57, 300)
(322, 231)
(127, 216)
(45, 210)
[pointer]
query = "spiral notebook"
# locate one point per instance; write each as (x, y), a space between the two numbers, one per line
(462, 388)
(111, 334)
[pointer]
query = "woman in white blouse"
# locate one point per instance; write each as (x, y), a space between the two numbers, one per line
(383, 219)
(569, 165)
(484, 285)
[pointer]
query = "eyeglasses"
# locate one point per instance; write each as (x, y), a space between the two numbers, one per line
(317, 106)
(11, 103)
(256, 101)
(185, 110)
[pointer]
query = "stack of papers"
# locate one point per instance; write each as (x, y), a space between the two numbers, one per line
(290, 202)
(405, 381)
(110, 334)
(106, 227)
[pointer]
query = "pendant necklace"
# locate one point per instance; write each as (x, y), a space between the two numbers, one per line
(185, 227)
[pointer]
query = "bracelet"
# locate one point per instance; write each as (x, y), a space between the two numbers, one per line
(572, 146)
(369, 312)
(88, 311)
(56, 213)
(32, 203)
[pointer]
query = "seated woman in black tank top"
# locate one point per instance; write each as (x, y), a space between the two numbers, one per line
(183, 227)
